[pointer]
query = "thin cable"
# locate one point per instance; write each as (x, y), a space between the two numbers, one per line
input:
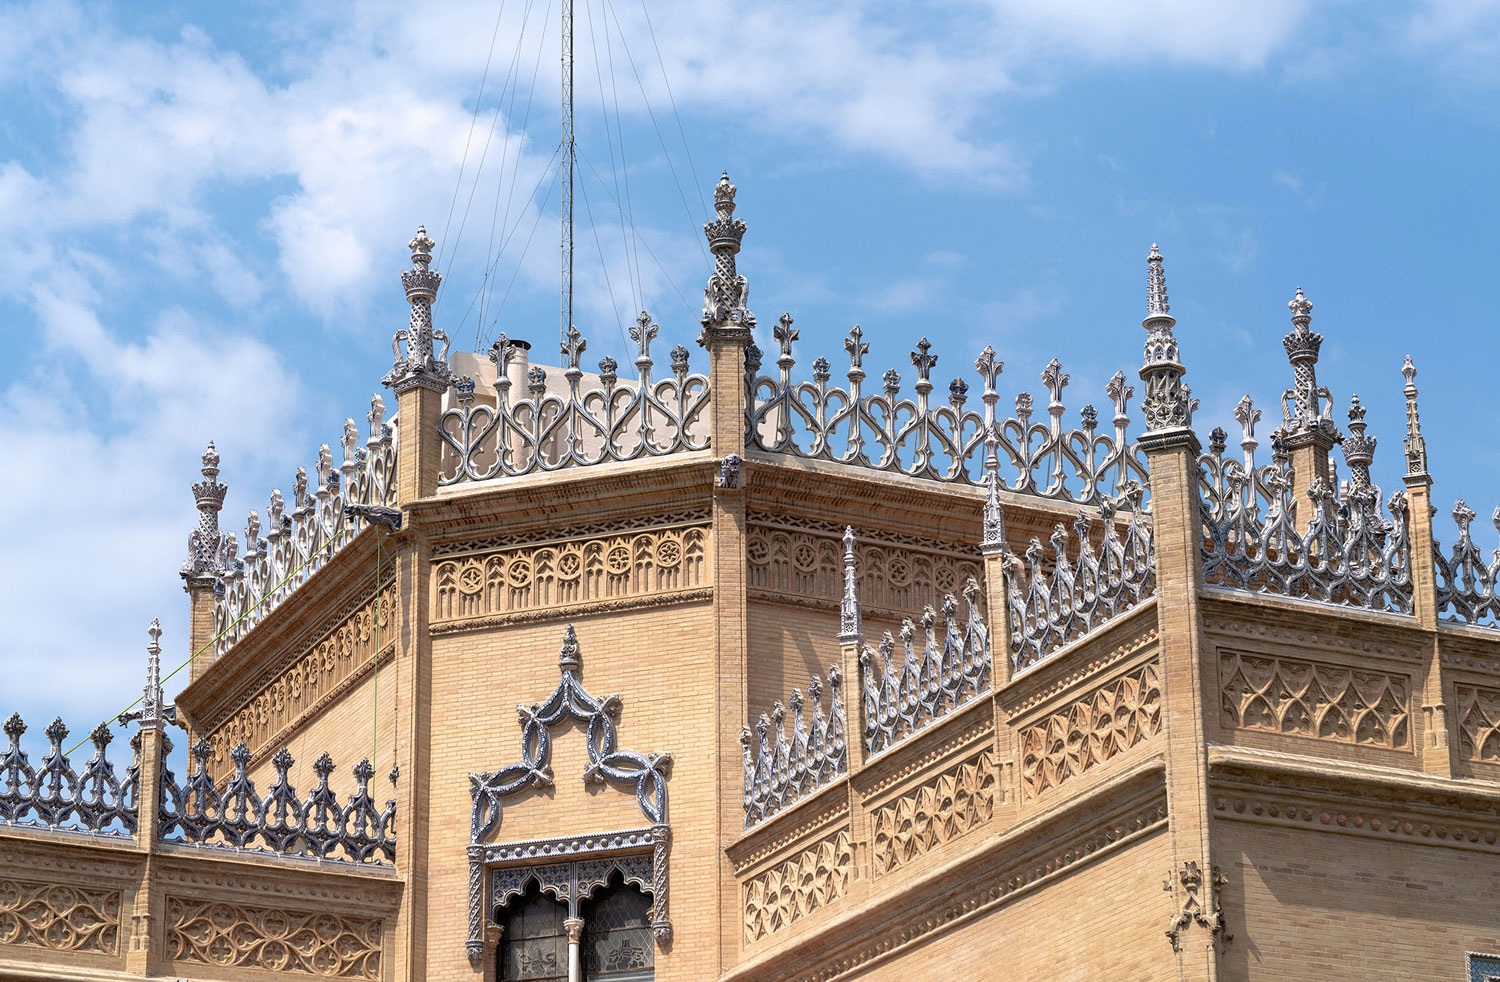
(211, 641)
(637, 233)
(458, 183)
(613, 303)
(504, 243)
(494, 121)
(636, 290)
(522, 259)
(375, 660)
(692, 168)
(660, 139)
(488, 286)
(614, 89)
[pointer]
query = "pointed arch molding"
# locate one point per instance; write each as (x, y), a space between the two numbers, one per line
(570, 701)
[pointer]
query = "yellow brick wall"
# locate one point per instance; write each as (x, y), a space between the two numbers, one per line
(659, 663)
(1312, 905)
(1103, 921)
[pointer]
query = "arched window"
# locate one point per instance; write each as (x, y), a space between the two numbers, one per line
(617, 941)
(534, 946)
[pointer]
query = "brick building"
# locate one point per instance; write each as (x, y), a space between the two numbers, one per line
(743, 674)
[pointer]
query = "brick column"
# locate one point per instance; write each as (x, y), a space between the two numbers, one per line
(1433, 728)
(727, 327)
(995, 550)
(419, 378)
(200, 591)
(143, 952)
(1172, 451)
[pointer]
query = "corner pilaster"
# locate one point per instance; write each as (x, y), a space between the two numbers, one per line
(1171, 450)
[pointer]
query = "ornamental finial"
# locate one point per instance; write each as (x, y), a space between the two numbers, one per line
(1156, 285)
(1166, 404)
(726, 298)
(569, 658)
(1301, 406)
(850, 626)
(1359, 447)
(153, 709)
(993, 540)
(208, 554)
(420, 365)
(1416, 447)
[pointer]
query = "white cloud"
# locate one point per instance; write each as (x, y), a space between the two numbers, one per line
(1217, 33)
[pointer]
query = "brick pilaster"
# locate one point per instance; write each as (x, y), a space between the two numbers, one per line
(143, 950)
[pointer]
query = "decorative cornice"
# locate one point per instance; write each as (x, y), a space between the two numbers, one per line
(545, 535)
(569, 847)
(806, 820)
(1060, 674)
(571, 611)
(1010, 866)
(930, 748)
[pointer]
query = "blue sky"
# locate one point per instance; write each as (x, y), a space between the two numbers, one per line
(207, 208)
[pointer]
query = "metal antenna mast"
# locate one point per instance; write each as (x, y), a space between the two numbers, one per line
(567, 169)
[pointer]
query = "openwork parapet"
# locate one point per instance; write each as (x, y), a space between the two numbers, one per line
(280, 821)
(299, 543)
(54, 795)
(1351, 553)
(546, 431)
(903, 697)
(1466, 583)
(1059, 599)
(785, 770)
(936, 439)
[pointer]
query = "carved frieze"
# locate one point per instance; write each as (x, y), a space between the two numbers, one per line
(342, 654)
(1315, 699)
(936, 812)
(59, 917)
(273, 940)
(1097, 726)
(808, 565)
(599, 569)
(806, 882)
(1478, 723)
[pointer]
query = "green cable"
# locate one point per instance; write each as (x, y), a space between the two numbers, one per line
(375, 672)
(210, 643)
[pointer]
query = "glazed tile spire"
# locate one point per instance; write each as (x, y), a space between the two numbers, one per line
(1416, 447)
(726, 298)
(420, 364)
(210, 551)
(1168, 404)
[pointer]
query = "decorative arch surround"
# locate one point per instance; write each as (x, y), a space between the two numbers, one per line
(569, 869)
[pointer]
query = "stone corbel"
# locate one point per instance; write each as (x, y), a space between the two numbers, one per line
(1195, 908)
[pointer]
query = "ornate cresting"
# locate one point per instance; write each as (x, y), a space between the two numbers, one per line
(297, 544)
(420, 364)
(280, 821)
(900, 698)
(886, 431)
(1082, 593)
(55, 795)
(784, 770)
(545, 431)
(646, 771)
(1351, 553)
(1466, 581)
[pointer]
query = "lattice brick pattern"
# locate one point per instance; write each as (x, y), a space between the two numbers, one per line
(1478, 723)
(273, 940)
(943, 808)
(281, 821)
(791, 890)
(784, 770)
(1091, 730)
